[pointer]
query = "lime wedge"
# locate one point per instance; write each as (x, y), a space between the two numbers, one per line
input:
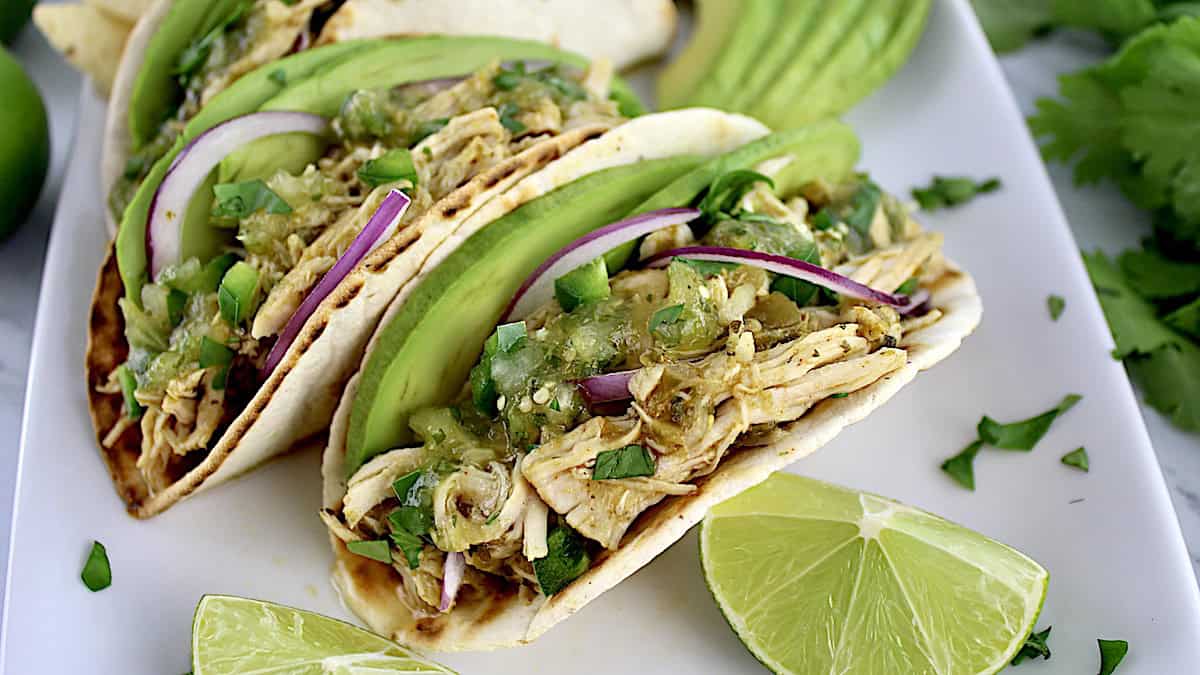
(239, 635)
(815, 578)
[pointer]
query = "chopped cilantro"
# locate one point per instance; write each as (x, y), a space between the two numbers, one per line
(506, 112)
(394, 165)
(554, 405)
(1035, 646)
(565, 559)
(727, 190)
(961, 467)
(194, 56)
(706, 268)
(908, 287)
(626, 462)
(1025, 434)
(412, 519)
(1112, 652)
(665, 317)
(1056, 304)
(1077, 458)
(97, 573)
(376, 549)
(947, 191)
(403, 486)
(840, 394)
(238, 200)
(863, 205)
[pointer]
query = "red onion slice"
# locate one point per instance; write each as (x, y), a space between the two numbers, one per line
(539, 287)
(784, 265)
(918, 304)
(452, 576)
(606, 388)
(378, 229)
(191, 167)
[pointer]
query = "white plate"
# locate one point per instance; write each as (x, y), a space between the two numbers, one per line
(1117, 561)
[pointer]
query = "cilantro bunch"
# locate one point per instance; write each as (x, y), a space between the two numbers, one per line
(1133, 119)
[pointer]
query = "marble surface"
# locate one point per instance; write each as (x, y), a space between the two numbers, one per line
(1099, 216)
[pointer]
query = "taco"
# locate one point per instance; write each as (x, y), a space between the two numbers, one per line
(183, 53)
(240, 292)
(558, 396)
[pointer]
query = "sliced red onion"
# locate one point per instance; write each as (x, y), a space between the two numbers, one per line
(606, 388)
(784, 265)
(452, 576)
(192, 166)
(917, 305)
(378, 229)
(539, 287)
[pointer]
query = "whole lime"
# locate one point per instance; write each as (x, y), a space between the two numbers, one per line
(14, 14)
(24, 144)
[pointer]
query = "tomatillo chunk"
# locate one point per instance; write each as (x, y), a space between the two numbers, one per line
(24, 144)
(238, 295)
(584, 284)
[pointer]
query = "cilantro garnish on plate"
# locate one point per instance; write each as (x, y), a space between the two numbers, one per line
(1034, 647)
(1112, 652)
(947, 191)
(1077, 458)
(97, 573)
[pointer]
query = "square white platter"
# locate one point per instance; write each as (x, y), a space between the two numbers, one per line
(1110, 538)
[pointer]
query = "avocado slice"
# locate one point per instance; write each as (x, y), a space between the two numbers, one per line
(423, 355)
(586, 283)
(244, 96)
(715, 22)
(827, 149)
(391, 64)
(787, 42)
(156, 92)
(846, 56)
(750, 39)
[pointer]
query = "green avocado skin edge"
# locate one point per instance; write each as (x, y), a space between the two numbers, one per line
(423, 355)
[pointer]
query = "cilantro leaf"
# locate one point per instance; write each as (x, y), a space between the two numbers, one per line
(665, 317)
(1009, 24)
(238, 200)
(1186, 319)
(213, 353)
(1170, 379)
(410, 545)
(1155, 277)
(1132, 320)
(506, 112)
(728, 189)
(403, 486)
(1112, 652)
(1084, 124)
(1056, 304)
(1118, 17)
(626, 462)
(376, 549)
(961, 467)
(1025, 434)
(565, 559)
(97, 573)
(947, 191)
(1035, 646)
(1077, 458)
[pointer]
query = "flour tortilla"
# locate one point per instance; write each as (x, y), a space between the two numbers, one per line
(505, 616)
(117, 142)
(298, 398)
(623, 31)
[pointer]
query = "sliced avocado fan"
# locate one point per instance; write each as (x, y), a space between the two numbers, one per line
(790, 63)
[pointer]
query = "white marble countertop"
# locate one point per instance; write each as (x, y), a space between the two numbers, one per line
(1099, 217)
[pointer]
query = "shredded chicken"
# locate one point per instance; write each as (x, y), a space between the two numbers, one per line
(276, 27)
(372, 484)
(182, 420)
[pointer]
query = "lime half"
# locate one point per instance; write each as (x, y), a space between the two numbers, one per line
(239, 635)
(815, 578)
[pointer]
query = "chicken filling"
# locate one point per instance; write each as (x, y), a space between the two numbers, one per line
(528, 483)
(199, 333)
